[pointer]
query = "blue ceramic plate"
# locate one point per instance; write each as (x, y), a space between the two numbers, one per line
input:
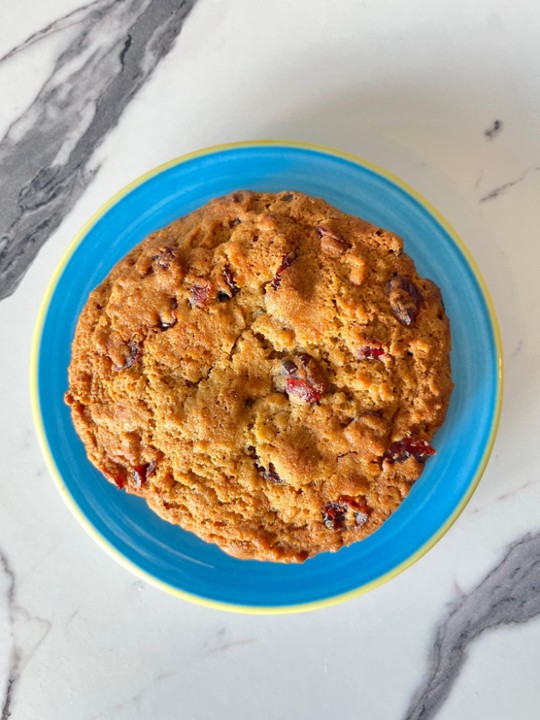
(177, 560)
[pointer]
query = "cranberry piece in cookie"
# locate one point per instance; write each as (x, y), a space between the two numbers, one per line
(305, 379)
(141, 473)
(360, 508)
(199, 295)
(269, 474)
(373, 351)
(303, 390)
(168, 318)
(290, 367)
(405, 448)
(346, 513)
(134, 355)
(334, 515)
(228, 276)
(164, 258)
(286, 262)
(118, 478)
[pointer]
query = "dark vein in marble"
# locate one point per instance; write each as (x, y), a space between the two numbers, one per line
(19, 656)
(494, 129)
(503, 188)
(479, 179)
(15, 654)
(518, 348)
(132, 703)
(220, 643)
(502, 496)
(45, 155)
(508, 594)
(62, 23)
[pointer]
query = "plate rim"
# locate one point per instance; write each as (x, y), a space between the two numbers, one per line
(131, 565)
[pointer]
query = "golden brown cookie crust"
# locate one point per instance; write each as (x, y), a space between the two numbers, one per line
(267, 372)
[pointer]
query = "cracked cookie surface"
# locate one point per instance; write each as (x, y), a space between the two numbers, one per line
(267, 372)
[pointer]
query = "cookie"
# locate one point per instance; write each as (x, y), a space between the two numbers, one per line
(267, 372)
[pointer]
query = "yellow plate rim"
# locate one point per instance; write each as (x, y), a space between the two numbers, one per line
(133, 567)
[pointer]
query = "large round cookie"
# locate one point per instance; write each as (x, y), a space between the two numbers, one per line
(267, 372)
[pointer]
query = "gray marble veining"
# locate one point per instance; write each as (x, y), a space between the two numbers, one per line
(14, 658)
(63, 23)
(26, 633)
(220, 643)
(508, 594)
(492, 194)
(45, 155)
(495, 128)
(131, 705)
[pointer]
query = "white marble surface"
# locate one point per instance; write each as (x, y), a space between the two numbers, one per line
(414, 86)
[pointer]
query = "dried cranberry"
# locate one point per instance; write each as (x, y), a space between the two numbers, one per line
(360, 508)
(303, 390)
(135, 354)
(231, 282)
(289, 367)
(237, 197)
(171, 320)
(286, 262)
(269, 474)
(306, 380)
(405, 299)
(417, 448)
(334, 515)
(141, 473)
(370, 352)
(119, 479)
(198, 295)
(164, 258)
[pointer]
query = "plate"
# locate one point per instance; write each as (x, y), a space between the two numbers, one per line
(177, 560)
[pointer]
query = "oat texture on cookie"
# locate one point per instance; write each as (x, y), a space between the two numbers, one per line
(267, 372)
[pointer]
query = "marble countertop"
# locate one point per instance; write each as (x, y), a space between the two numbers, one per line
(446, 95)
